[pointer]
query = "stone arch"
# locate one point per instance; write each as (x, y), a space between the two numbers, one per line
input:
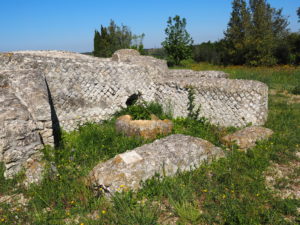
(132, 99)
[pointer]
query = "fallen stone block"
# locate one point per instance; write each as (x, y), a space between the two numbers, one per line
(145, 128)
(165, 156)
(247, 137)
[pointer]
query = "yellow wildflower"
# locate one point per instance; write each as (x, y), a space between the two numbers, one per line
(103, 211)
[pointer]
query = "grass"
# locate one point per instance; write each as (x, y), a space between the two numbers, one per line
(229, 191)
(281, 78)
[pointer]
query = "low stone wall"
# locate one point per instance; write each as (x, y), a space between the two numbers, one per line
(62, 89)
(222, 101)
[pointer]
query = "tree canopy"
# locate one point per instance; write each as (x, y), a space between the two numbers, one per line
(112, 38)
(254, 32)
(178, 42)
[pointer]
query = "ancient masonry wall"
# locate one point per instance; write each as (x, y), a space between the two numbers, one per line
(222, 101)
(44, 90)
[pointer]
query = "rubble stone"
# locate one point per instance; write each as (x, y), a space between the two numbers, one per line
(247, 137)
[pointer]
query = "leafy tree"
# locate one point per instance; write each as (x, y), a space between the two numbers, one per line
(113, 38)
(97, 46)
(137, 43)
(269, 27)
(293, 43)
(254, 33)
(208, 52)
(178, 43)
(237, 33)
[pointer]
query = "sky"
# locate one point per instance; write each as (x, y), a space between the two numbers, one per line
(70, 24)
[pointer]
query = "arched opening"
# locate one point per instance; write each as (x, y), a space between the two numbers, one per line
(133, 99)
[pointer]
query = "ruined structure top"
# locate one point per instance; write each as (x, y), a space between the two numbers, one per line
(41, 91)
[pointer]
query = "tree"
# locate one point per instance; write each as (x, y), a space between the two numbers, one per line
(178, 43)
(137, 43)
(237, 33)
(293, 41)
(97, 46)
(208, 52)
(254, 33)
(262, 43)
(269, 27)
(113, 38)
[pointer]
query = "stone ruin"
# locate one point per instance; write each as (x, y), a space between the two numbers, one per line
(43, 91)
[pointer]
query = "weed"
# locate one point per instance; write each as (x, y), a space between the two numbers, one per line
(192, 112)
(296, 90)
(143, 111)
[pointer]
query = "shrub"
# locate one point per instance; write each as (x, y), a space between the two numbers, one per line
(296, 90)
(143, 111)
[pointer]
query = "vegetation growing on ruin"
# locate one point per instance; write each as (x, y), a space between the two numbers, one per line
(144, 110)
(229, 191)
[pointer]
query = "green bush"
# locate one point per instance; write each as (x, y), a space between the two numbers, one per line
(187, 62)
(296, 90)
(143, 111)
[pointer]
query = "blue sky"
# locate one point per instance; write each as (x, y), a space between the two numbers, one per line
(70, 24)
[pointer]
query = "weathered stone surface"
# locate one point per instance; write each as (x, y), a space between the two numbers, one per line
(183, 74)
(277, 173)
(24, 111)
(247, 137)
(156, 66)
(144, 128)
(34, 169)
(16, 200)
(107, 84)
(125, 55)
(44, 90)
(164, 156)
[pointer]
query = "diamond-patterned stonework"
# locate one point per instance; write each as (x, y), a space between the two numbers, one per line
(44, 90)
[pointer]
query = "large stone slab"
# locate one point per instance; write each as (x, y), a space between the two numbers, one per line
(247, 137)
(164, 156)
(25, 118)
